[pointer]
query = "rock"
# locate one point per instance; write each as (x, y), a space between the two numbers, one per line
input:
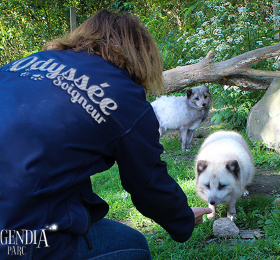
(224, 227)
(264, 118)
(247, 234)
(250, 234)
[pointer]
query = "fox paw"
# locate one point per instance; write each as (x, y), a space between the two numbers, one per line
(231, 216)
(246, 193)
(211, 215)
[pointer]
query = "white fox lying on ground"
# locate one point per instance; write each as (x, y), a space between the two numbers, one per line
(224, 166)
(184, 113)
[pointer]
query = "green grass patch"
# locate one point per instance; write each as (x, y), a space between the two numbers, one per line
(252, 212)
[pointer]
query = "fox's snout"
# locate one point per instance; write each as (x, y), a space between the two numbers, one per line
(214, 200)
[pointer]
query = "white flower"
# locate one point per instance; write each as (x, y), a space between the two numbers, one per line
(221, 47)
(229, 39)
(242, 10)
(217, 31)
(205, 24)
(239, 39)
(200, 31)
(231, 16)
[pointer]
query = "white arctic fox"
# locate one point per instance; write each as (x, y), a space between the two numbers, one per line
(184, 113)
(224, 166)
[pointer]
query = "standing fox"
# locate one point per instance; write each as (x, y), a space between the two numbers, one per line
(224, 166)
(184, 113)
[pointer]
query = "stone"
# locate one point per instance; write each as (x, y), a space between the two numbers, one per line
(250, 234)
(264, 118)
(224, 227)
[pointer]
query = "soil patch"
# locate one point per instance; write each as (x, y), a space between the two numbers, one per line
(265, 182)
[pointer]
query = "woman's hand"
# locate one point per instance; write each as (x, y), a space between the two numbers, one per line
(198, 214)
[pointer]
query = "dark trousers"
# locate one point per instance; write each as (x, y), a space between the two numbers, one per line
(111, 240)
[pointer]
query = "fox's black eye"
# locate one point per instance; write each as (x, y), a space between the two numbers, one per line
(207, 185)
(197, 98)
(221, 186)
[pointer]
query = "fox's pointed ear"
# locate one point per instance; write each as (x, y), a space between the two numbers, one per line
(189, 92)
(233, 167)
(201, 166)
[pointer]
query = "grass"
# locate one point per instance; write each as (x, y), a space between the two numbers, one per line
(253, 212)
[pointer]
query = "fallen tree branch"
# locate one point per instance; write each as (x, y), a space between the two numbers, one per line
(235, 71)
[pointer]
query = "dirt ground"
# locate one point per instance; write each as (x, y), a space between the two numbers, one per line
(265, 182)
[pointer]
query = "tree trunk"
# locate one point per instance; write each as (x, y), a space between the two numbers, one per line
(235, 71)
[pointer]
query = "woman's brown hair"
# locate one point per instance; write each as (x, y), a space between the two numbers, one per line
(122, 40)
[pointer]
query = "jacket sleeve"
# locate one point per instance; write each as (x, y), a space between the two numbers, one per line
(144, 175)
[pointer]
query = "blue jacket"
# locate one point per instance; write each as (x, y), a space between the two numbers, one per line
(65, 116)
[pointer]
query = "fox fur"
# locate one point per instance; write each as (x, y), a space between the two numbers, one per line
(184, 113)
(224, 166)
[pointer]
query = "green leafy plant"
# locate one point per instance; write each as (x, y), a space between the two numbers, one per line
(233, 105)
(265, 157)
